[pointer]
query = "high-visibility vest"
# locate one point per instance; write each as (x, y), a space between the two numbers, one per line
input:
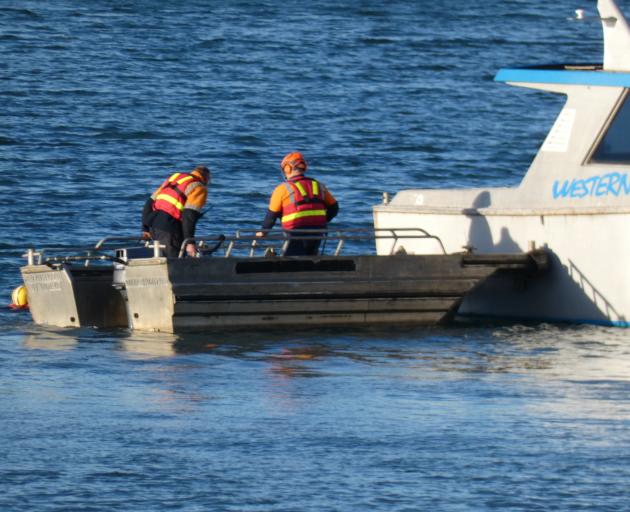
(173, 195)
(307, 207)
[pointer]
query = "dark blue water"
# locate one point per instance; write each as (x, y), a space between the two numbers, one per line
(101, 100)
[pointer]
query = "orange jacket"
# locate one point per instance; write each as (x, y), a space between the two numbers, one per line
(301, 202)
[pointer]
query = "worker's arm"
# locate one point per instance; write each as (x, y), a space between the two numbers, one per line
(332, 211)
(189, 222)
(270, 219)
(275, 209)
(147, 212)
(192, 210)
(332, 206)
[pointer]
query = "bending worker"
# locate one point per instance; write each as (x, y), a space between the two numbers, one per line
(300, 203)
(171, 213)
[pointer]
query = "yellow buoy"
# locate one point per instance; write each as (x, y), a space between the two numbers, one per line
(19, 297)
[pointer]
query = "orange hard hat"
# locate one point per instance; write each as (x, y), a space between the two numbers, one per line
(294, 161)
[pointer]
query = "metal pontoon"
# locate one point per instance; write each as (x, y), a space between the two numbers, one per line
(241, 280)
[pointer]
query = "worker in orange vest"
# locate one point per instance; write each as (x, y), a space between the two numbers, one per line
(300, 203)
(170, 215)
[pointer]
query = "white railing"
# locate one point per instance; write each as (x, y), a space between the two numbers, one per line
(243, 243)
(247, 243)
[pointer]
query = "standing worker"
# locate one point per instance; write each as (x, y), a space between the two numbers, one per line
(300, 203)
(171, 213)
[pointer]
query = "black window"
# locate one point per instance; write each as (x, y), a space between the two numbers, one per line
(615, 146)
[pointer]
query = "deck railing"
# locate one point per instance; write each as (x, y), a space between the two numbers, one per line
(247, 243)
(243, 243)
(81, 253)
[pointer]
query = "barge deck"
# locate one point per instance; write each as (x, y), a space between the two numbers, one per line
(248, 282)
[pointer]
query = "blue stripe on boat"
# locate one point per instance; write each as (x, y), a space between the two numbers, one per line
(564, 76)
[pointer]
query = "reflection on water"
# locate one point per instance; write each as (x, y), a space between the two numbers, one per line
(572, 352)
(564, 370)
(50, 341)
(503, 406)
(294, 361)
(149, 344)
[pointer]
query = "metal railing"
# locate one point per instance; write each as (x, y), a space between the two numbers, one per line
(276, 242)
(243, 243)
(68, 254)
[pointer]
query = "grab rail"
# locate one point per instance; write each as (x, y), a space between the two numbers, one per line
(273, 242)
(83, 253)
(61, 260)
(104, 241)
(271, 239)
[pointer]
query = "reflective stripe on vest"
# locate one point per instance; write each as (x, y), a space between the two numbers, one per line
(300, 215)
(172, 197)
(306, 205)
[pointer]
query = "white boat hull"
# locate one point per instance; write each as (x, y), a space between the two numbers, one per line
(587, 282)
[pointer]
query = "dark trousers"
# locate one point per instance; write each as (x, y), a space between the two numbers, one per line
(298, 247)
(171, 241)
(302, 247)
